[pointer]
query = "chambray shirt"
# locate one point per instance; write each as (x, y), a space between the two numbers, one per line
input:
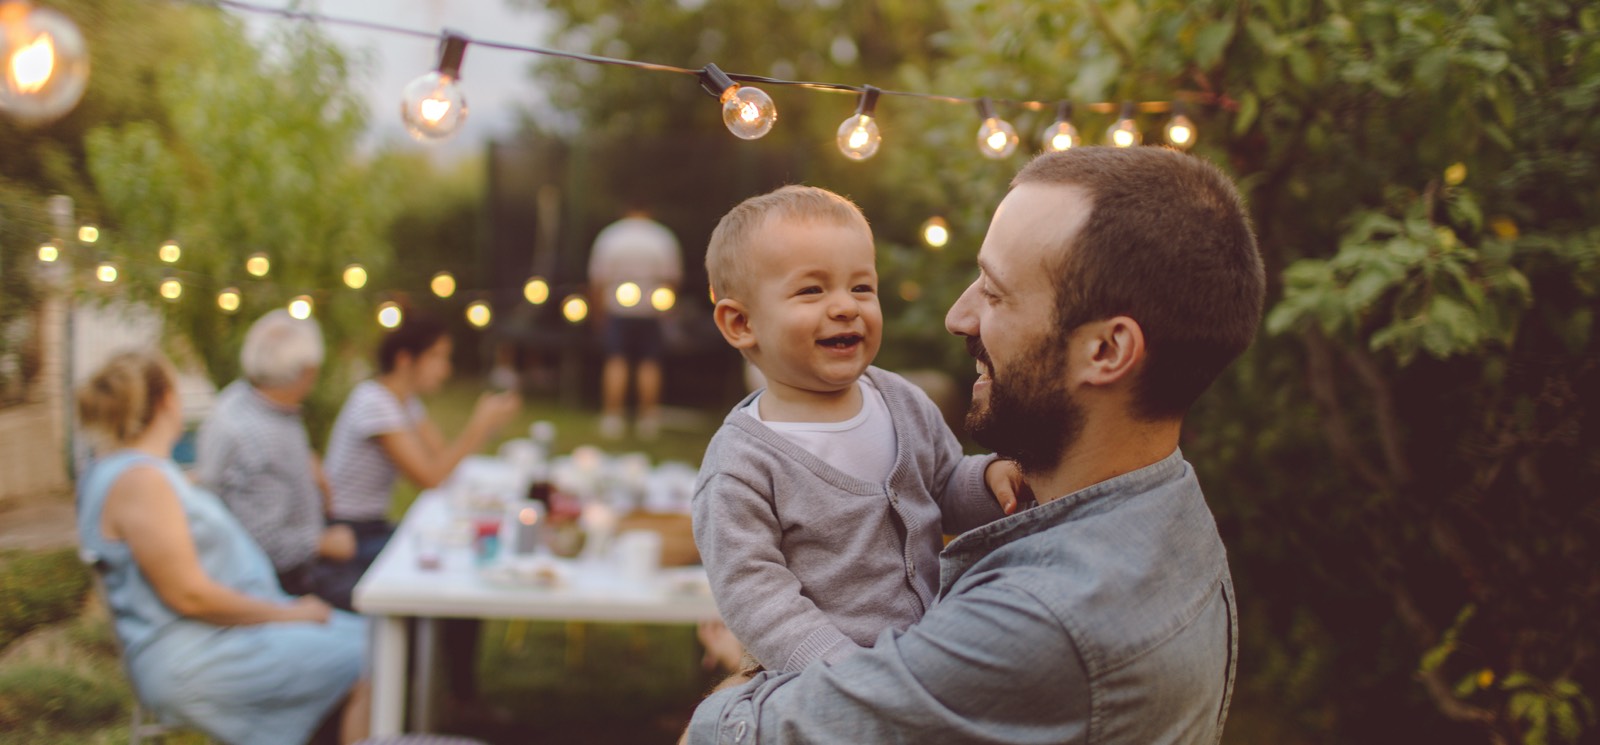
(1105, 616)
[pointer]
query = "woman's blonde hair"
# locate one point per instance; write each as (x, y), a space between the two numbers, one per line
(118, 402)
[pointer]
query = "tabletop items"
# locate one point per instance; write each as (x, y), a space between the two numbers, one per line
(524, 506)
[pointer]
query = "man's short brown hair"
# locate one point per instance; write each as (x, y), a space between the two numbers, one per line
(1168, 243)
(728, 254)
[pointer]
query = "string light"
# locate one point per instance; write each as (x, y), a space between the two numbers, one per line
(748, 112)
(1125, 132)
(478, 313)
(432, 105)
(663, 299)
(936, 232)
(858, 136)
(257, 265)
(1180, 132)
(300, 307)
(171, 288)
(628, 294)
(169, 252)
(574, 309)
(537, 291)
(88, 234)
(106, 272)
(390, 315)
(1062, 135)
(228, 300)
(996, 137)
(49, 252)
(44, 66)
(355, 276)
(443, 284)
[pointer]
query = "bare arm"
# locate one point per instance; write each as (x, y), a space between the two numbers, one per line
(143, 511)
(423, 456)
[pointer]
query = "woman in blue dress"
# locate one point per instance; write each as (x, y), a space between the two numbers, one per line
(210, 640)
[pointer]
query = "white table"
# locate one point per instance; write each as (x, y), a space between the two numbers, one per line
(396, 588)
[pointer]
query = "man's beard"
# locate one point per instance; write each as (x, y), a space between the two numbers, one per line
(1030, 417)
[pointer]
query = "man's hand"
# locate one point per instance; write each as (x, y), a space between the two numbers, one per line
(1006, 483)
(338, 543)
(723, 650)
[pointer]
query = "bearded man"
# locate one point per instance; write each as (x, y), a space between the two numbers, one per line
(1113, 286)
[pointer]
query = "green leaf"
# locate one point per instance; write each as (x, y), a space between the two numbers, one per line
(1249, 106)
(1432, 67)
(1210, 42)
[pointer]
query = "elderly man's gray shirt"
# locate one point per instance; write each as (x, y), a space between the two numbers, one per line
(1105, 616)
(255, 455)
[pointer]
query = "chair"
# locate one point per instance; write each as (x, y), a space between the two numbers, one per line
(421, 740)
(142, 723)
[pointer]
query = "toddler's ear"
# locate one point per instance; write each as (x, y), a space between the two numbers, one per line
(734, 323)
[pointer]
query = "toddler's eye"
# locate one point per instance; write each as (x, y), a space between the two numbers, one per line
(812, 290)
(864, 288)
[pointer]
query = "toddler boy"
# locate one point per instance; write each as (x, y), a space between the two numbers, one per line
(822, 500)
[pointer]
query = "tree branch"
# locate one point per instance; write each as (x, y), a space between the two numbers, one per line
(1390, 438)
(1320, 377)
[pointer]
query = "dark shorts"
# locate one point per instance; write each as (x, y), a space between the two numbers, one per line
(634, 338)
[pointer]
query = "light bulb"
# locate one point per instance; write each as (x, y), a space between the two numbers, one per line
(389, 315)
(44, 66)
(748, 112)
(1180, 132)
(574, 309)
(628, 294)
(88, 234)
(257, 265)
(443, 284)
(537, 291)
(663, 299)
(106, 272)
(171, 288)
(355, 276)
(433, 107)
(1061, 135)
(997, 138)
(228, 300)
(858, 137)
(300, 307)
(478, 313)
(936, 232)
(910, 291)
(49, 252)
(169, 252)
(1125, 132)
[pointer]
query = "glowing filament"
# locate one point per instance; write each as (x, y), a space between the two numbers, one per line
(32, 65)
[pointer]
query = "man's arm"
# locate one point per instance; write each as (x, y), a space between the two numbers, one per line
(761, 601)
(991, 665)
(262, 500)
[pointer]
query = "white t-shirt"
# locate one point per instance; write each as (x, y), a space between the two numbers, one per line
(862, 446)
(359, 470)
(637, 250)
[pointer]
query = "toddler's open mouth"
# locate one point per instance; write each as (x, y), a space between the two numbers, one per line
(842, 341)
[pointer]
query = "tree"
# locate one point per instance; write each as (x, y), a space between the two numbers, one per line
(1404, 464)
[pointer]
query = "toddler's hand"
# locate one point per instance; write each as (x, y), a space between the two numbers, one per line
(1006, 483)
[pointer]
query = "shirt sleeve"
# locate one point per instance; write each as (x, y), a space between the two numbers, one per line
(964, 499)
(261, 498)
(738, 536)
(992, 665)
(377, 413)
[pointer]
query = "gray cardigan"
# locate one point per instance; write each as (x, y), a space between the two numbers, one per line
(807, 562)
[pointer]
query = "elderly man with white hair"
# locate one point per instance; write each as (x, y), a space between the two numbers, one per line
(253, 452)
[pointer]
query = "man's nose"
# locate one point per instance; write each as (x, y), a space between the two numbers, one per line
(962, 320)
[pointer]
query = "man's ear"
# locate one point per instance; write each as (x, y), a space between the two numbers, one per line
(1110, 350)
(734, 323)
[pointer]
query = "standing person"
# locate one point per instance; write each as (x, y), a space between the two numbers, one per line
(822, 501)
(253, 453)
(1113, 286)
(209, 638)
(632, 258)
(382, 431)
